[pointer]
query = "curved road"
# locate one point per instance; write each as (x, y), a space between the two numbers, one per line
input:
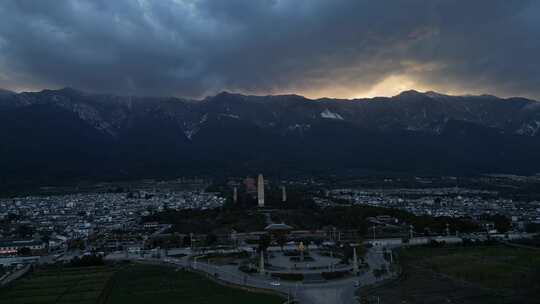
(337, 291)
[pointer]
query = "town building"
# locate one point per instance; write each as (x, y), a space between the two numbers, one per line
(15, 246)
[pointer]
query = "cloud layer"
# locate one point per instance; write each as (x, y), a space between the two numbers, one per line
(337, 48)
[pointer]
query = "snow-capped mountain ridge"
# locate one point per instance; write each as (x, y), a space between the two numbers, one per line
(411, 131)
(410, 110)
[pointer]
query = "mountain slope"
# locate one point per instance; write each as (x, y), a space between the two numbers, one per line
(71, 134)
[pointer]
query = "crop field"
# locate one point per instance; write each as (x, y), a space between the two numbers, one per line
(131, 283)
(491, 275)
(158, 284)
(59, 285)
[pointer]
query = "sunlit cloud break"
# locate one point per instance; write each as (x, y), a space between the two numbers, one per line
(343, 48)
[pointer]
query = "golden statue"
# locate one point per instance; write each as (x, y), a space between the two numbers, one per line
(301, 249)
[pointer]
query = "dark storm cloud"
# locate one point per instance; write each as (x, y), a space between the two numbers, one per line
(315, 47)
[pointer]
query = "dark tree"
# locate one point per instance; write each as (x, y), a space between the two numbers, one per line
(186, 241)
(281, 241)
(264, 242)
(87, 260)
(24, 251)
(211, 239)
(25, 231)
(502, 223)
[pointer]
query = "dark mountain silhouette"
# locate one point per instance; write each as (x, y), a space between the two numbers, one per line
(66, 134)
(5, 92)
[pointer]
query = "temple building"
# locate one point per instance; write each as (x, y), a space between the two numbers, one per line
(278, 230)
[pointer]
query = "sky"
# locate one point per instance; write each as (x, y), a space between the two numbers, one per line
(315, 48)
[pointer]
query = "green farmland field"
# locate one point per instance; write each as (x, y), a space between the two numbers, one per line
(142, 284)
(482, 274)
(495, 267)
(131, 283)
(58, 285)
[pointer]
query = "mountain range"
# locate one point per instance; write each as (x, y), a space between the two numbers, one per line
(65, 134)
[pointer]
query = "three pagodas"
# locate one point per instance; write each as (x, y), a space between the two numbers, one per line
(260, 192)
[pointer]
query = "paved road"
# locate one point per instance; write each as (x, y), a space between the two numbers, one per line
(15, 275)
(336, 292)
(332, 292)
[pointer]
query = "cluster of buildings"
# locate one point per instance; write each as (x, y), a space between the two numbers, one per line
(14, 247)
(450, 202)
(51, 222)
